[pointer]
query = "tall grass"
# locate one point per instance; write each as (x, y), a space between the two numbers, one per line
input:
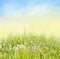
(29, 47)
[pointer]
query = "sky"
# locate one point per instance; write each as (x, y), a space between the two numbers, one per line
(39, 16)
(29, 7)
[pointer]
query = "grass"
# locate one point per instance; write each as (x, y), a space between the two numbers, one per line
(29, 47)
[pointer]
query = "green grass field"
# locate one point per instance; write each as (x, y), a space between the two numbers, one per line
(29, 47)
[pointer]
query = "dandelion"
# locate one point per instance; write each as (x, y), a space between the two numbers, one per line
(34, 47)
(20, 46)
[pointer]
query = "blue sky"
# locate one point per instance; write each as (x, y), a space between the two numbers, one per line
(13, 5)
(28, 9)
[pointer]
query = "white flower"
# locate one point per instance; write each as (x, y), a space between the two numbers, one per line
(34, 47)
(21, 46)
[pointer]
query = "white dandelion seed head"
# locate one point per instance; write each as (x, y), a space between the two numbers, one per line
(21, 46)
(34, 47)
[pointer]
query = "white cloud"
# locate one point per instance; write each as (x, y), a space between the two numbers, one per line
(37, 10)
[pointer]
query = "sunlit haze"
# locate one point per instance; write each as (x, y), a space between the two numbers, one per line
(36, 16)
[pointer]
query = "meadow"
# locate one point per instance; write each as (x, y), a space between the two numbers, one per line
(29, 47)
